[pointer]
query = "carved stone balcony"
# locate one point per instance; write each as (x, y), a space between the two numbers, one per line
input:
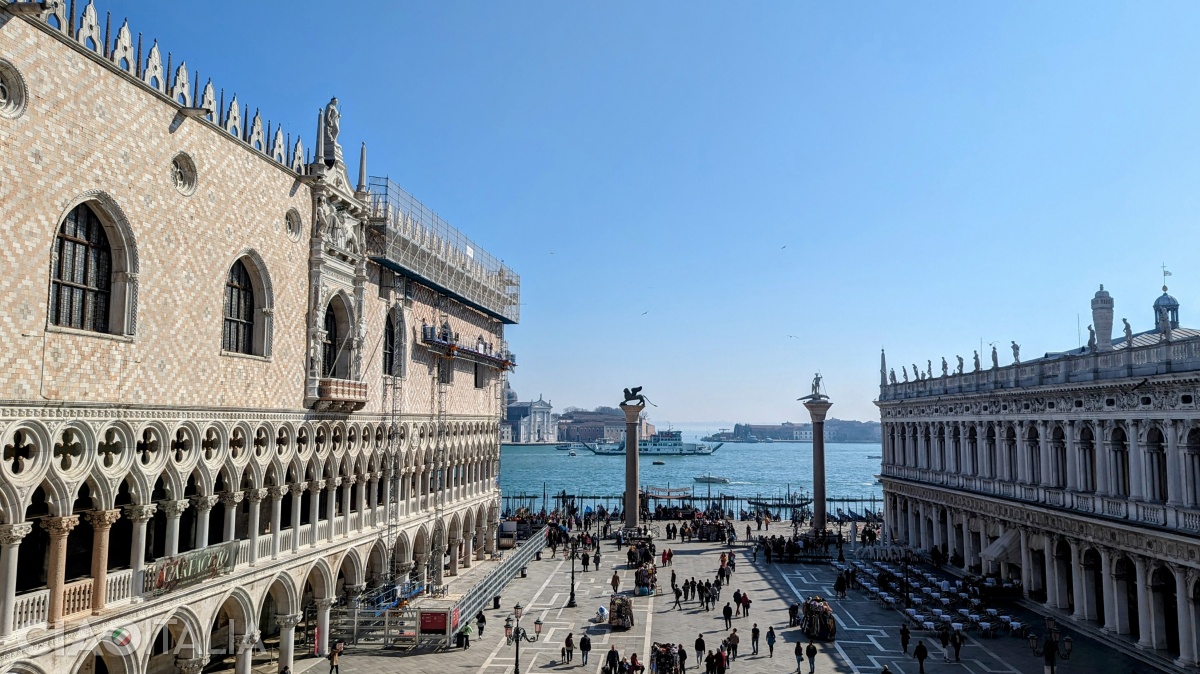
(340, 395)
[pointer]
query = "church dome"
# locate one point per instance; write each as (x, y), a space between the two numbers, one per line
(1165, 301)
(1168, 307)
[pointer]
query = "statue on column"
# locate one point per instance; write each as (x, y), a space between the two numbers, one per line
(816, 384)
(333, 126)
(1016, 352)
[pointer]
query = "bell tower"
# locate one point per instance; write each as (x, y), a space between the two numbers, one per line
(1102, 319)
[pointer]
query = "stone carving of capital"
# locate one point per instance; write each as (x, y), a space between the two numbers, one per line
(288, 622)
(174, 509)
(325, 604)
(277, 492)
(298, 487)
(247, 641)
(333, 483)
(204, 503)
(316, 486)
(349, 481)
(60, 526)
(141, 513)
(256, 495)
(230, 499)
(102, 519)
(11, 534)
(190, 665)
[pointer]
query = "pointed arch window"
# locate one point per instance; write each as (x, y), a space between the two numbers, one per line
(79, 296)
(329, 348)
(238, 335)
(389, 346)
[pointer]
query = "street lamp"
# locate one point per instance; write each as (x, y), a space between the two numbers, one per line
(908, 555)
(574, 553)
(515, 634)
(1054, 648)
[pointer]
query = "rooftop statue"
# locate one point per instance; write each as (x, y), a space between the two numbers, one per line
(960, 365)
(929, 368)
(976, 361)
(333, 127)
(904, 371)
(995, 358)
(892, 375)
(1091, 338)
(1128, 333)
(1016, 353)
(945, 367)
(916, 373)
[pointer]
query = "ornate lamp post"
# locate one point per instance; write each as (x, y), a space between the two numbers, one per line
(1054, 648)
(908, 555)
(515, 634)
(574, 553)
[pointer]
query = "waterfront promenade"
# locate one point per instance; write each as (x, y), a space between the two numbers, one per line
(867, 633)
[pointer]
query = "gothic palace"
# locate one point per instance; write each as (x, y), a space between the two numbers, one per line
(1076, 473)
(239, 387)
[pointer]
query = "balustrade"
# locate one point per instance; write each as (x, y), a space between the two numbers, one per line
(30, 609)
(1055, 497)
(1084, 502)
(1152, 514)
(119, 586)
(77, 597)
(1115, 508)
(1190, 520)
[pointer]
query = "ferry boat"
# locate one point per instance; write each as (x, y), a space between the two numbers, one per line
(570, 446)
(661, 443)
(712, 479)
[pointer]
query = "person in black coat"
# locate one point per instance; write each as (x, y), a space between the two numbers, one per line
(904, 637)
(700, 648)
(728, 613)
(613, 660)
(920, 653)
(585, 647)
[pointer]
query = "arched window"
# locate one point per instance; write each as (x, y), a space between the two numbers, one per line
(328, 349)
(238, 335)
(80, 290)
(389, 346)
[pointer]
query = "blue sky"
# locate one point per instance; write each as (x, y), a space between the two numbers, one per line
(683, 185)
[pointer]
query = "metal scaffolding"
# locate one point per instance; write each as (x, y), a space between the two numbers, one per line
(412, 240)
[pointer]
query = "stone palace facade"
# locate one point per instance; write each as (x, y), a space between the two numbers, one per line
(239, 387)
(1076, 473)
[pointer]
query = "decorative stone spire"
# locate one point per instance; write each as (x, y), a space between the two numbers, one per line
(882, 368)
(319, 154)
(361, 189)
(1102, 319)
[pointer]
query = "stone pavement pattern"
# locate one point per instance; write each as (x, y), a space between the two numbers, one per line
(868, 634)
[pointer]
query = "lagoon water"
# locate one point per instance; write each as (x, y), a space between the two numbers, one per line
(764, 469)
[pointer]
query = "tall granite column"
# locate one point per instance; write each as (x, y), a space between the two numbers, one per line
(632, 476)
(818, 408)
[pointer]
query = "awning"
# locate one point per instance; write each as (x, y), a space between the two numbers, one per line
(1007, 548)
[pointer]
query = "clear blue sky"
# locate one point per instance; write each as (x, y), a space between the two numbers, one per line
(940, 173)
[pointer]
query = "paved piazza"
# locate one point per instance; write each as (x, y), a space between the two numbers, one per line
(867, 633)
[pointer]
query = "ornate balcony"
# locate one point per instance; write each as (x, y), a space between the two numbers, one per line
(340, 395)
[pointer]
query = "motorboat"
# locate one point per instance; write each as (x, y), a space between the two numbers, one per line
(712, 479)
(660, 463)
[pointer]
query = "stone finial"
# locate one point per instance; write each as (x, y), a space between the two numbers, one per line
(362, 171)
(123, 50)
(89, 29)
(153, 74)
(181, 90)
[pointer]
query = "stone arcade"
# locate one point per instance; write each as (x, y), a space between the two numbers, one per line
(212, 338)
(1077, 473)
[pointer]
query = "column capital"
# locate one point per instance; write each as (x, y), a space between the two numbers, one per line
(231, 498)
(11, 534)
(316, 486)
(298, 488)
(256, 495)
(204, 503)
(59, 527)
(349, 480)
(190, 665)
(102, 519)
(333, 483)
(356, 589)
(288, 622)
(247, 641)
(325, 604)
(140, 513)
(174, 509)
(277, 492)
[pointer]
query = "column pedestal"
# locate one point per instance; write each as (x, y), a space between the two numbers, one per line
(818, 408)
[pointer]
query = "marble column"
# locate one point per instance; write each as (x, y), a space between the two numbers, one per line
(255, 498)
(1044, 454)
(230, 500)
(439, 565)
(1137, 483)
(1183, 608)
(203, 506)
(1051, 572)
(1023, 472)
(632, 469)
(489, 537)
(276, 494)
(969, 544)
(101, 521)
(454, 543)
(817, 409)
(1103, 451)
(10, 541)
(287, 639)
(372, 490)
(1107, 586)
(173, 510)
(1145, 630)
(190, 665)
(297, 491)
(138, 515)
(1080, 612)
(314, 509)
(1072, 458)
(331, 487)
(347, 486)
(1176, 469)
(421, 559)
(245, 652)
(1026, 563)
(323, 606)
(59, 528)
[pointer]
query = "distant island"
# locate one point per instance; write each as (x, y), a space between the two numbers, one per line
(836, 430)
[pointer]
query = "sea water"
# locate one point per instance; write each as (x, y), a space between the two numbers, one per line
(762, 469)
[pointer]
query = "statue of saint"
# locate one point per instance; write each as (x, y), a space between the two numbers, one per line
(995, 358)
(916, 373)
(960, 365)
(892, 375)
(976, 361)
(1091, 338)
(1128, 333)
(904, 371)
(929, 368)
(945, 367)
(1016, 353)
(816, 385)
(333, 126)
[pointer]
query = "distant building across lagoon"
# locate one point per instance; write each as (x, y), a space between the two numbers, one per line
(836, 430)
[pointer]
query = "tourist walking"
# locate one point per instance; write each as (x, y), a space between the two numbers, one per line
(612, 660)
(956, 642)
(811, 652)
(728, 613)
(335, 656)
(616, 582)
(678, 598)
(734, 640)
(585, 647)
(799, 656)
(466, 636)
(569, 644)
(480, 622)
(596, 560)
(746, 605)
(945, 638)
(920, 653)
(737, 602)
(904, 636)
(754, 633)
(586, 560)
(770, 641)
(682, 658)
(700, 648)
